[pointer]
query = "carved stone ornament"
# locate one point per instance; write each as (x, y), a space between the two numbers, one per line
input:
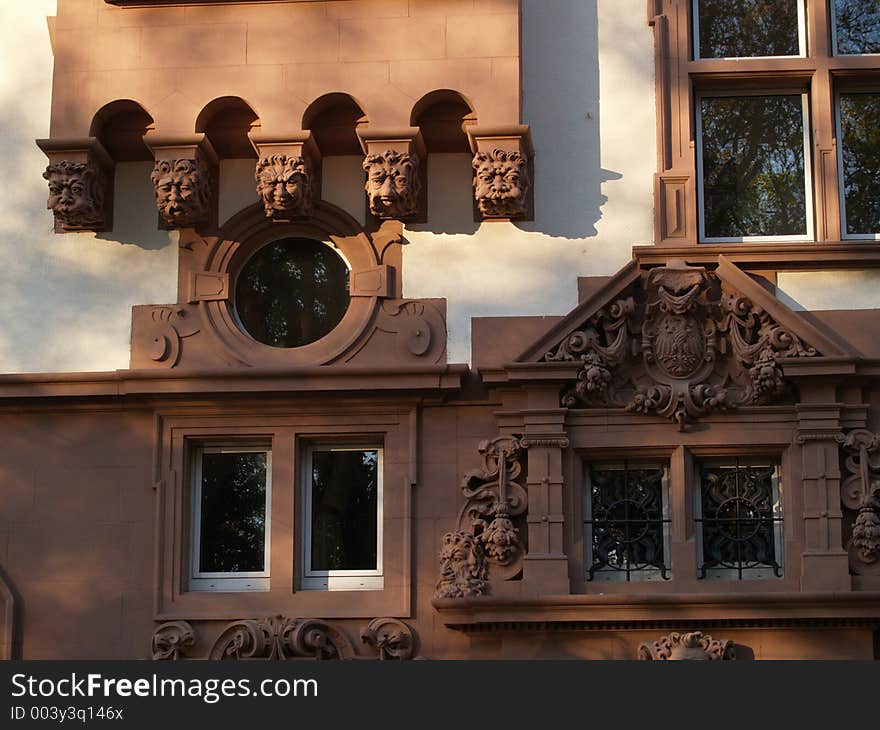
(487, 536)
(284, 184)
(679, 346)
(861, 492)
(501, 183)
(76, 194)
(184, 191)
(160, 340)
(278, 638)
(692, 646)
(393, 184)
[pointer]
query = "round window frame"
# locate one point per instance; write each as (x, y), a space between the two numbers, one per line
(247, 233)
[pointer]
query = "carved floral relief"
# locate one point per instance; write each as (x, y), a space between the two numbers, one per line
(393, 184)
(184, 191)
(284, 184)
(860, 493)
(691, 646)
(501, 183)
(76, 194)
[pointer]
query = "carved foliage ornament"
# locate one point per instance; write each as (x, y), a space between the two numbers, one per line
(393, 184)
(861, 492)
(284, 183)
(184, 191)
(692, 646)
(278, 638)
(487, 536)
(76, 194)
(501, 183)
(679, 346)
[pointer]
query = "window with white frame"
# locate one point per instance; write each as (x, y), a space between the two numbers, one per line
(753, 167)
(738, 516)
(858, 132)
(749, 28)
(626, 521)
(342, 513)
(230, 526)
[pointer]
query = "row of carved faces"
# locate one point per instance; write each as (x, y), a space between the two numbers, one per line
(184, 188)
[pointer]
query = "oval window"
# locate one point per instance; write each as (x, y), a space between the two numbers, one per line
(292, 292)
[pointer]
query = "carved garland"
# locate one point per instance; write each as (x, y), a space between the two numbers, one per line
(486, 535)
(278, 638)
(691, 646)
(681, 348)
(861, 493)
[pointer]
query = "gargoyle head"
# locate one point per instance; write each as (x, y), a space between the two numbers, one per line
(392, 184)
(76, 195)
(501, 183)
(183, 191)
(284, 184)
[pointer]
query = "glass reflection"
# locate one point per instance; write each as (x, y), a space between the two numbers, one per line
(292, 292)
(857, 23)
(860, 130)
(743, 28)
(753, 166)
(233, 513)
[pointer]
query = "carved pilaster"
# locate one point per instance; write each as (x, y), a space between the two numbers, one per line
(502, 172)
(683, 647)
(288, 173)
(80, 179)
(185, 180)
(394, 162)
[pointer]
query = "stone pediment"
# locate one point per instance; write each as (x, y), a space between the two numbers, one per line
(680, 341)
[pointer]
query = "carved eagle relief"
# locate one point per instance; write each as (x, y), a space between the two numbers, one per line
(679, 345)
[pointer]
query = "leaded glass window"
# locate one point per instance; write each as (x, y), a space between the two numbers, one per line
(626, 525)
(748, 28)
(739, 519)
(856, 26)
(859, 131)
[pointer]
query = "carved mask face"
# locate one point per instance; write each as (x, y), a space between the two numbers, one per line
(392, 184)
(501, 183)
(283, 184)
(75, 196)
(182, 191)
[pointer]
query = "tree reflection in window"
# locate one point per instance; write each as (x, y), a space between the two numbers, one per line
(857, 26)
(744, 28)
(753, 163)
(627, 521)
(860, 131)
(344, 503)
(292, 292)
(232, 536)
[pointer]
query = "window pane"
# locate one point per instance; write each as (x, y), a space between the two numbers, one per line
(739, 28)
(627, 523)
(233, 513)
(753, 166)
(858, 26)
(344, 510)
(860, 130)
(292, 292)
(739, 518)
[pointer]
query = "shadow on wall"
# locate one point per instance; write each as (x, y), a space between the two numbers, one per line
(135, 220)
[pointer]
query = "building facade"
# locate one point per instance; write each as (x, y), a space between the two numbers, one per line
(441, 328)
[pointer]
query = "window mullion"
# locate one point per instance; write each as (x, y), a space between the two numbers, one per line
(281, 537)
(825, 158)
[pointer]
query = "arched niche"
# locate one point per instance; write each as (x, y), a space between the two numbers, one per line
(442, 116)
(120, 126)
(333, 120)
(226, 122)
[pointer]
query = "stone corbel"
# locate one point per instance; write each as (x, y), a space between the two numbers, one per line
(80, 177)
(185, 180)
(395, 164)
(288, 173)
(502, 172)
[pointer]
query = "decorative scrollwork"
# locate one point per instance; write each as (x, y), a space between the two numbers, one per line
(690, 646)
(171, 640)
(861, 493)
(392, 639)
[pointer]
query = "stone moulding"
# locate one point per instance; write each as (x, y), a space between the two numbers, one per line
(278, 638)
(860, 493)
(394, 166)
(502, 172)
(185, 180)
(80, 180)
(287, 174)
(690, 646)
(487, 537)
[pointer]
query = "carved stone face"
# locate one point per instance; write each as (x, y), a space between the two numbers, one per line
(392, 184)
(76, 196)
(183, 192)
(501, 183)
(284, 185)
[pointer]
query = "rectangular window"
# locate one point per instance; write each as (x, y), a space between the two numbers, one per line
(856, 27)
(753, 168)
(343, 518)
(626, 521)
(230, 546)
(749, 28)
(739, 519)
(858, 119)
